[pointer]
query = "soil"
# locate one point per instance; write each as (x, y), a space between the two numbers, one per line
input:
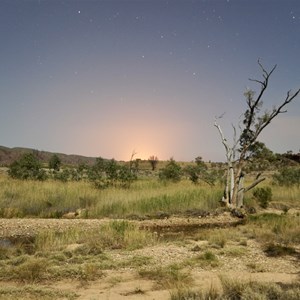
(125, 283)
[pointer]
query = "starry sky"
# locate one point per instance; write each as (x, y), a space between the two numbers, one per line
(106, 78)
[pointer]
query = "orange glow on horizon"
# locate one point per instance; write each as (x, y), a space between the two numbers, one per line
(142, 133)
(148, 139)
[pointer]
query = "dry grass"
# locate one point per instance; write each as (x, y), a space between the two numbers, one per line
(172, 276)
(34, 292)
(235, 290)
(52, 199)
(52, 258)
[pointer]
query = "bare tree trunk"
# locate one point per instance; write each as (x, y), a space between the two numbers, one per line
(231, 184)
(230, 168)
(240, 193)
(225, 198)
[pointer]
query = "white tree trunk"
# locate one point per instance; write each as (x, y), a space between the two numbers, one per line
(231, 184)
(240, 193)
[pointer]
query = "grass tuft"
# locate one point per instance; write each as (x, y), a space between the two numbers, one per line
(33, 292)
(31, 271)
(168, 277)
(274, 250)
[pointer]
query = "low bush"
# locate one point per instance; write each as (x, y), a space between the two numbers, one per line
(234, 289)
(168, 277)
(27, 167)
(171, 172)
(274, 250)
(31, 271)
(263, 195)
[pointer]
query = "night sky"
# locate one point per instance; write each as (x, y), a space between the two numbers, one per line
(106, 78)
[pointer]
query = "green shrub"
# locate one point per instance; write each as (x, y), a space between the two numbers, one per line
(62, 176)
(54, 163)
(107, 173)
(263, 195)
(27, 167)
(199, 171)
(171, 172)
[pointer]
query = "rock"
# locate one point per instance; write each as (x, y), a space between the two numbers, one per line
(239, 213)
(69, 215)
(197, 248)
(251, 210)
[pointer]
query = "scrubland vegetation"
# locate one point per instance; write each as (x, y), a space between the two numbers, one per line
(128, 190)
(186, 190)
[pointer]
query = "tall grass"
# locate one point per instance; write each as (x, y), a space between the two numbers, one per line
(173, 198)
(146, 196)
(114, 235)
(52, 199)
(288, 196)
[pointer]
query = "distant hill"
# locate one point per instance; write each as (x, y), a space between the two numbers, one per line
(8, 155)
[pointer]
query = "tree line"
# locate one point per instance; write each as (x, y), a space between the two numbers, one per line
(107, 173)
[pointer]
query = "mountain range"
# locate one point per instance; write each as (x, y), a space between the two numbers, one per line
(8, 155)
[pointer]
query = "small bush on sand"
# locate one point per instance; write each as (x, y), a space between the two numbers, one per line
(168, 277)
(274, 250)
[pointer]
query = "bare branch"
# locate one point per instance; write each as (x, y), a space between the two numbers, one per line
(277, 111)
(224, 141)
(220, 117)
(235, 142)
(258, 81)
(264, 85)
(254, 184)
(133, 154)
(265, 73)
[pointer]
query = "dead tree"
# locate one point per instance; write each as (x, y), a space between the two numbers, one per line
(153, 160)
(253, 123)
